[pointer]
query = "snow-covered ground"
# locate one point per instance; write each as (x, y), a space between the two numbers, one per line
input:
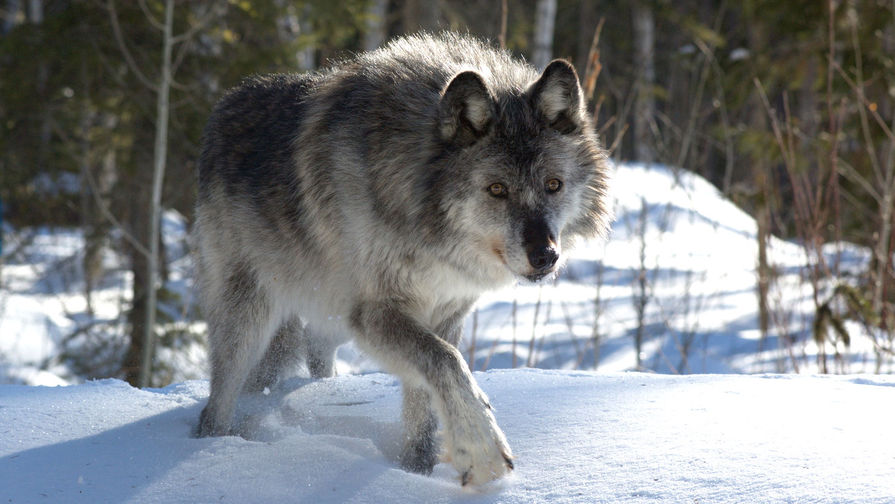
(577, 437)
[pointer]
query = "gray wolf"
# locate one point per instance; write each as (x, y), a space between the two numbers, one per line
(377, 200)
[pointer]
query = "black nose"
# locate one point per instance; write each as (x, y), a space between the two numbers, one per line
(543, 257)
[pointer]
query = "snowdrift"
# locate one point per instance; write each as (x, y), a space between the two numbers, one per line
(577, 437)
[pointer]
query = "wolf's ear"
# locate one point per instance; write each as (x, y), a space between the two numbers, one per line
(466, 109)
(556, 95)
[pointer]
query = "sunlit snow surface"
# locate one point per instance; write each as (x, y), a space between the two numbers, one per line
(576, 436)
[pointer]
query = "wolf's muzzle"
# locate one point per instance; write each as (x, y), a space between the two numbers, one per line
(540, 244)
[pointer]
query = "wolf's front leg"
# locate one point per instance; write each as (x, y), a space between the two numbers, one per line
(474, 443)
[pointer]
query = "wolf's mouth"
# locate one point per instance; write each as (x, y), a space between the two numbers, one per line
(499, 254)
(537, 277)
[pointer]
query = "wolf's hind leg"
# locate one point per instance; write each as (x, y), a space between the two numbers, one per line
(239, 330)
(420, 451)
(321, 356)
(286, 349)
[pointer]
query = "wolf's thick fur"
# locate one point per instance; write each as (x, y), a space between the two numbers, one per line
(377, 200)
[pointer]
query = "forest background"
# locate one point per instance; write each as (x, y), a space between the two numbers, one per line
(788, 108)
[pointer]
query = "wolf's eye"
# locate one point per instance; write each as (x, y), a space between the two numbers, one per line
(497, 190)
(553, 185)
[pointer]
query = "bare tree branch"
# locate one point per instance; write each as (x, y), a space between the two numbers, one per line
(210, 14)
(867, 103)
(131, 63)
(502, 35)
(594, 67)
(848, 171)
(150, 17)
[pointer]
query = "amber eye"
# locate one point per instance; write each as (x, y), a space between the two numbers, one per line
(553, 185)
(497, 190)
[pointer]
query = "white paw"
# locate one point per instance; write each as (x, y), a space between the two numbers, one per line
(476, 446)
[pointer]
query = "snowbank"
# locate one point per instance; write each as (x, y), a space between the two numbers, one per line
(577, 437)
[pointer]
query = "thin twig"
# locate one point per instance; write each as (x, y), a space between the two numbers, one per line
(514, 314)
(867, 103)
(852, 174)
(594, 67)
(529, 362)
(502, 35)
(150, 16)
(618, 140)
(122, 46)
(490, 354)
(210, 14)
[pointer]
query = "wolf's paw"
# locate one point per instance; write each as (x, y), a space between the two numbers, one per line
(419, 455)
(207, 427)
(478, 450)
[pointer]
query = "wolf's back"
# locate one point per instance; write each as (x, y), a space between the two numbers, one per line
(249, 136)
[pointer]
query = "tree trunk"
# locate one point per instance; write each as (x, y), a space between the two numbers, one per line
(587, 20)
(36, 16)
(36, 11)
(545, 20)
(881, 250)
(290, 25)
(763, 220)
(305, 55)
(420, 15)
(158, 173)
(137, 200)
(763, 200)
(375, 33)
(644, 103)
(91, 220)
(641, 296)
(502, 29)
(97, 180)
(12, 12)
(881, 276)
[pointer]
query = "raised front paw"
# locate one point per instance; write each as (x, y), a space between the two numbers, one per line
(478, 449)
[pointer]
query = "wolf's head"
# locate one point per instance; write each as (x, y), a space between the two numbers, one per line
(529, 172)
